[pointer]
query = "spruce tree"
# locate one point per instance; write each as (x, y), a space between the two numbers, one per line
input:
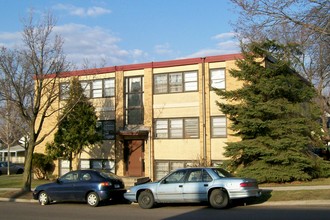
(274, 116)
(77, 128)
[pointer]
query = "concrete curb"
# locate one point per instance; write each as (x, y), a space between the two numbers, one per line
(295, 203)
(18, 200)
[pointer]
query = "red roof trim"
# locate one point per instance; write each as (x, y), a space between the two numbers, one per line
(170, 63)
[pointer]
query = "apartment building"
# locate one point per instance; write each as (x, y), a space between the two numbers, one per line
(156, 116)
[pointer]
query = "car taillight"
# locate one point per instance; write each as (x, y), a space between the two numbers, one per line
(105, 184)
(247, 184)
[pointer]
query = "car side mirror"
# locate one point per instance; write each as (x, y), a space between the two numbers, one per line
(58, 181)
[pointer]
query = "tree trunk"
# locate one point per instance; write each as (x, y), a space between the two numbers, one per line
(27, 175)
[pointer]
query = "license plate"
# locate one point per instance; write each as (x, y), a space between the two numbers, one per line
(117, 186)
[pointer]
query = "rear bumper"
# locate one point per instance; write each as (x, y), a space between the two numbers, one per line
(113, 194)
(245, 194)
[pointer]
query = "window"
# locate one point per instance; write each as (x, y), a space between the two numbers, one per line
(97, 89)
(134, 100)
(177, 128)
(86, 86)
(176, 177)
(175, 82)
(64, 91)
(160, 83)
(218, 78)
(195, 176)
(69, 177)
(218, 126)
(190, 81)
(109, 88)
(107, 129)
(164, 167)
(161, 129)
(102, 164)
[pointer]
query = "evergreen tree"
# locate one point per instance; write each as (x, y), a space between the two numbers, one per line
(274, 116)
(77, 129)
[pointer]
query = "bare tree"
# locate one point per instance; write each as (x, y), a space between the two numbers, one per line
(11, 127)
(32, 73)
(300, 24)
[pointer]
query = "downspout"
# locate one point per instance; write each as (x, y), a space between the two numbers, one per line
(204, 109)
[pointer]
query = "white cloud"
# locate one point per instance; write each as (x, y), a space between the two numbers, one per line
(10, 40)
(224, 36)
(226, 44)
(163, 49)
(95, 44)
(82, 12)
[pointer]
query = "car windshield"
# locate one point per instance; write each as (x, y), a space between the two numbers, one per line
(222, 173)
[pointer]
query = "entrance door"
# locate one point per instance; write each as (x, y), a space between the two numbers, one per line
(134, 157)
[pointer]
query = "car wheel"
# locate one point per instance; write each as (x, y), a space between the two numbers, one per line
(93, 199)
(43, 198)
(146, 200)
(219, 199)
(20, 171)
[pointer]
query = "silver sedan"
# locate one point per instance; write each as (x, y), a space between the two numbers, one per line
(187, 185)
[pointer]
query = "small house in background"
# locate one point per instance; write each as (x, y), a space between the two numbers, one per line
(17, 154)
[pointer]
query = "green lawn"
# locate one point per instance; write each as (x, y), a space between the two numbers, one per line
(16, 181)
(315, 182)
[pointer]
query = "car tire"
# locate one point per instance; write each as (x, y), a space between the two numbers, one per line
(43, 198)
(93, 199)
(146, 200)
(219, 199)
(20, 171)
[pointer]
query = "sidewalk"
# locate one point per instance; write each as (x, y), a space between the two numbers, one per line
(267, 203)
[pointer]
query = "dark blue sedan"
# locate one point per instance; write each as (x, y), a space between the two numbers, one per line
(89, 186)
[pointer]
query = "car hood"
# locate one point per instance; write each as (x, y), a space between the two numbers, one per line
(144, 186)
(44, 186)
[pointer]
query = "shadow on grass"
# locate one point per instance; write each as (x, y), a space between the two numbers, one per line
(13, 195)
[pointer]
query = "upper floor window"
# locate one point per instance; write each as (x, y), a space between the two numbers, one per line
(134, 100)
(97, 88)
(218, 80)
(175, 82)
(177, 128)
(219, 126)
(64, 91)
(100, 88)
(86, 86)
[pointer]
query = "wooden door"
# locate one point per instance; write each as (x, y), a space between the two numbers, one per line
(134, 154)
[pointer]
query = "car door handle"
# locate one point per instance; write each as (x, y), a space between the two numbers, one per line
(206, 184)
(180, 185)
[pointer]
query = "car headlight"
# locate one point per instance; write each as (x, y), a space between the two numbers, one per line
(128, 191)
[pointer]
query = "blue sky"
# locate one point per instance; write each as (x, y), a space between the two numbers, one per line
(129, 31)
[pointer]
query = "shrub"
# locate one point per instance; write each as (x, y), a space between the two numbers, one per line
(42, 165)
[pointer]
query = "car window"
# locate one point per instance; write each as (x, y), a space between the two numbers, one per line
(69, 177)
(195, 176)
(206, 176)
(176, 177)
(86, 177)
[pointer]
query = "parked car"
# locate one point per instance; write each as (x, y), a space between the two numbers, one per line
(13, 168)
(213, 185)
(89, 186)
